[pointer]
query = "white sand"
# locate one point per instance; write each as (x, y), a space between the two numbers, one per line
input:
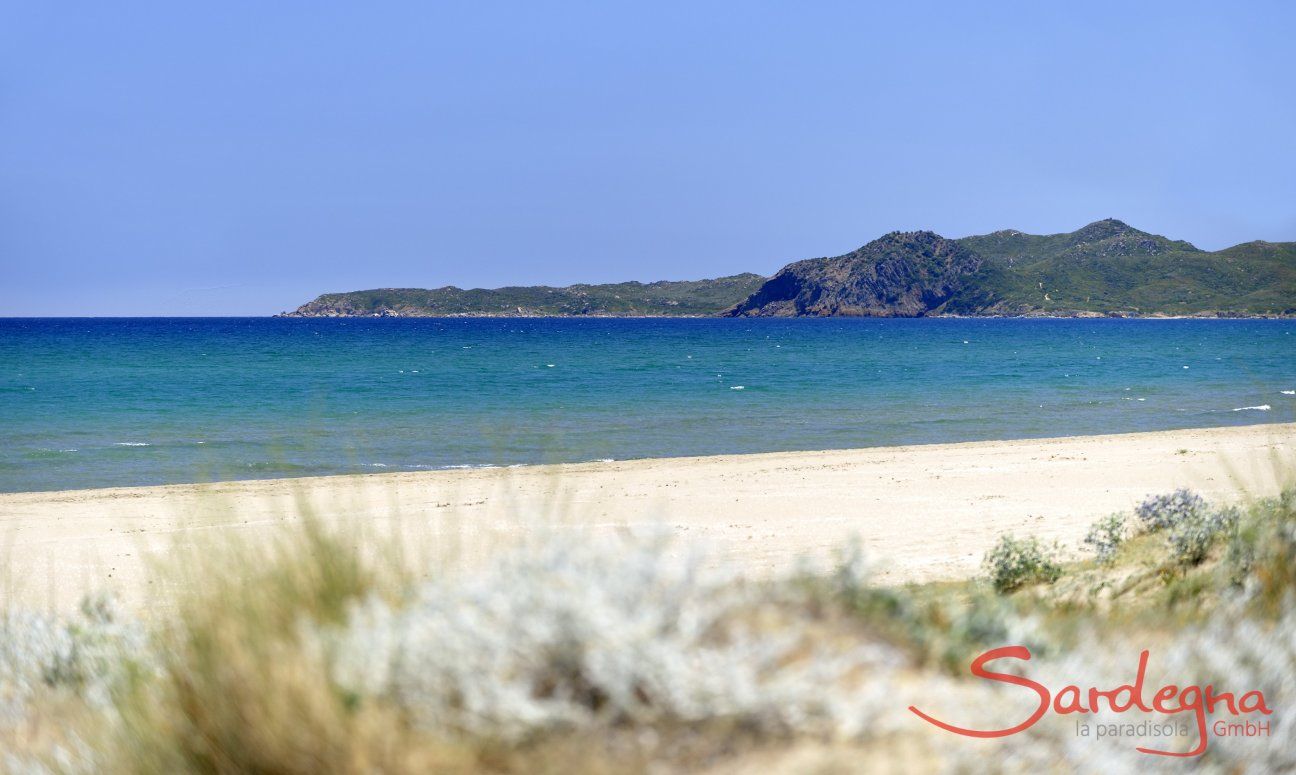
(924, 512)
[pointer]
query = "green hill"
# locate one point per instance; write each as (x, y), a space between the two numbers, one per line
(1109, 267)
(687, 298)
(1105, 268)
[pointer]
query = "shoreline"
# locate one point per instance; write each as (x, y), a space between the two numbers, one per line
(464, 468)
(1057, 315)
(923, 512)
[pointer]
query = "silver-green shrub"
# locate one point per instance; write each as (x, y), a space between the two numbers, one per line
(1192, 537)
(1106, 536)
(1016, 562)
(572, 632)
(87, 655)
(1261, 553)
(1159, 512)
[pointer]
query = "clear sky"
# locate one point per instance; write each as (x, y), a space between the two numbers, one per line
(241, 158)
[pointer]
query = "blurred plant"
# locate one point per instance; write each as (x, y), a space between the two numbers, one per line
(575, 632)
(1261, 552)
(940, 630)
(89, 655)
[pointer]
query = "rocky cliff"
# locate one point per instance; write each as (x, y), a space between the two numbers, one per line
(902, 274)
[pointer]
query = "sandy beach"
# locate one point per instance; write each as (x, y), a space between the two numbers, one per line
(922, 512)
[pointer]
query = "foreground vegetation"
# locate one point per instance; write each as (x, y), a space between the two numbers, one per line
(627, 654)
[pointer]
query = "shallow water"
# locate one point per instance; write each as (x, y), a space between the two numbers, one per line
(106, 402)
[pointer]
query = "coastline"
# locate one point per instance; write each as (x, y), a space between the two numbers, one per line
(925, 512)
(1032, 315)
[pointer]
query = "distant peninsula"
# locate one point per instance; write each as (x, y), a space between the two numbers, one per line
(1107, 268)
(686, 298)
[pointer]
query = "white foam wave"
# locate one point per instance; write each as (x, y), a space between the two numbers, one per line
(131, 444)
(1260, 408)
(1289, 392)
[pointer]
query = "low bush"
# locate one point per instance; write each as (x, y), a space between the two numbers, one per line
(574, 633)
(1016, 562)
(1261, 552)
(1192, 537)
(1160, 512)
(92, 655)
(1106, 536)
(938, 630)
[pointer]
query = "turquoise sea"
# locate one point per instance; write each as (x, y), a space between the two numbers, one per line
(107, 402)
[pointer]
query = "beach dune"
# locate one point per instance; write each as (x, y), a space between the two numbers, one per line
(922, 512)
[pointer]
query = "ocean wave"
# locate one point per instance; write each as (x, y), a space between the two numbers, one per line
(1289, 392)
(282, 467)
(131, 444)
(1260, 408)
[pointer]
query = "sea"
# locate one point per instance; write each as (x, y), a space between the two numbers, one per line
(120, 402)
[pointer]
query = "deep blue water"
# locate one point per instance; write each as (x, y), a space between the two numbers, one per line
(101, 402)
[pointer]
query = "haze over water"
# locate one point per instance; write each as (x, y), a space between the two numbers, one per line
(114, 402)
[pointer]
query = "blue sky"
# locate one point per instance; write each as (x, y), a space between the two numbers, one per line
(231, 158)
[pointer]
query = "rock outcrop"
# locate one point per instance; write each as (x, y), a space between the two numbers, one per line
(902, 274)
